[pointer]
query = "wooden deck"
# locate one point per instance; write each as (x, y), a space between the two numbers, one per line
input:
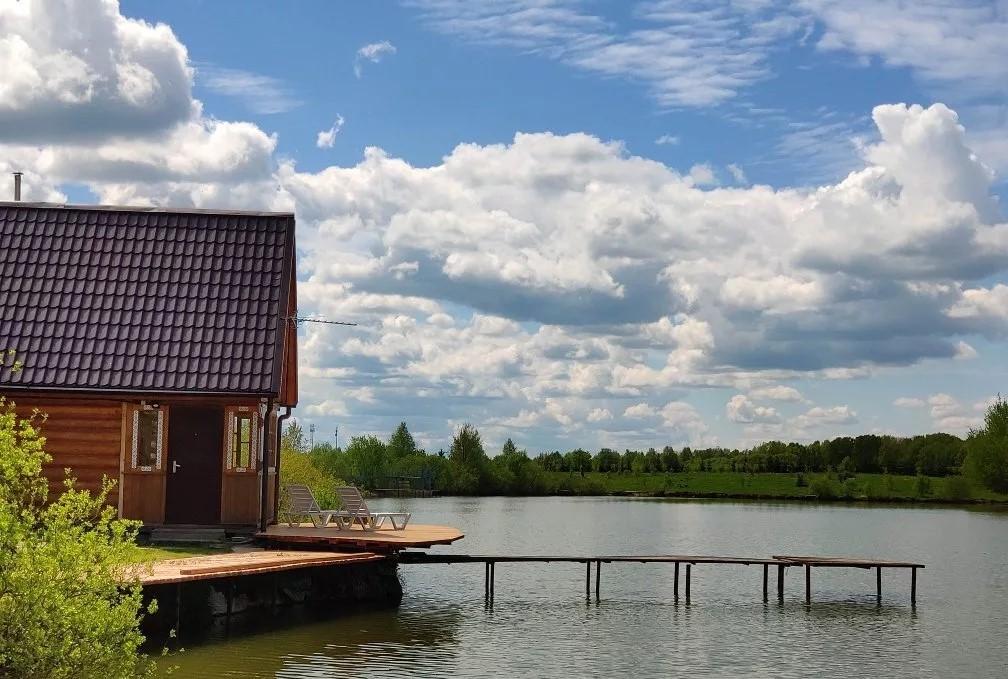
(384, 540)
(248, 562)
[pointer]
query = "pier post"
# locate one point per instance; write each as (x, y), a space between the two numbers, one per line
(178, 609)
(878, 585)
(766, 567)
(808, 584)
(687, 582)
(493, 567)
(913, 587)
(598, 577)
(486, 582)
(675, 590)
(587, 579)
(780, 582)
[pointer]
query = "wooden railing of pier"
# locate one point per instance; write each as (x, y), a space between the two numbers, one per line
(781, 562)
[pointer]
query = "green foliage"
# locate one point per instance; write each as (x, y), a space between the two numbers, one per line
(515, 473)
(850, 489)
(467, 448)
(293, 438)
(368, 457)
(922, 486)
(958, 488)
(580, 461)
(771, 469)
(987, 458)
(401, 443)
(825, 488)
(996, 419)
(845, 470)
(10, 364)
(66, 607)
(300, 468)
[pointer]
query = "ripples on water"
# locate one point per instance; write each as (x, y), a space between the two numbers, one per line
(541, 626)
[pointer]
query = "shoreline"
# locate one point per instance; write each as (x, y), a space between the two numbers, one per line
(797, 499)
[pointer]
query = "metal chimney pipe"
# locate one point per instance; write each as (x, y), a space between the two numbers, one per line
(17, 186)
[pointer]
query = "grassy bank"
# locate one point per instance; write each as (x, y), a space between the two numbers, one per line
(148, 554)
(880, 487)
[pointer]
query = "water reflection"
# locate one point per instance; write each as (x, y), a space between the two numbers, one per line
(297, 643)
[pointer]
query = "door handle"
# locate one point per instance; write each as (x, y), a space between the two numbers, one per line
(175, 466)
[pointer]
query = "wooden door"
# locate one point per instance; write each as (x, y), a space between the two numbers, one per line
(195, 454)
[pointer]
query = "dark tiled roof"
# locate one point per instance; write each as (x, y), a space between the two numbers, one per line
(144, 300)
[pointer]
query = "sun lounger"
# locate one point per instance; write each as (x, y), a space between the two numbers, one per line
(355, 511)
(302, 505)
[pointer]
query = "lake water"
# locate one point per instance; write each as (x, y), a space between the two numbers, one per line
(540, 624)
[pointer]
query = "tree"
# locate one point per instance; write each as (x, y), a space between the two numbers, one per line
(67, 608)
(368, 457)
(293, 438)
(607, 460)
(467, 448)
(401, 443)
(685, 457)
(517, 473)
(579, 461)
(669, 460)
(987, 456)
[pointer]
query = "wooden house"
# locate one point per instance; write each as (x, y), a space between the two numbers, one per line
(162, 346)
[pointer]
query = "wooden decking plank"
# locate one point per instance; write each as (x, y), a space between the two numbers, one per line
(413, 535)
(846, 562)
(239, 563)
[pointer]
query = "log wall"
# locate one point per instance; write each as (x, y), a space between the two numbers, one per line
(84, 435)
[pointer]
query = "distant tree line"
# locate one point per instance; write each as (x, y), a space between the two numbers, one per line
(930, 454)
(466, 468)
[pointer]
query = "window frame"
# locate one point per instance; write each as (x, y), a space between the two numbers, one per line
(231, 459)
(135, 440)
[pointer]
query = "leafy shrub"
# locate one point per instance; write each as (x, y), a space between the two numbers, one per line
(987, 457)
(845, 469)
(850, 488)
(958, 488)
(922, 485)
(801, 481)
(300, 468)
(67, 608)
(824, 488)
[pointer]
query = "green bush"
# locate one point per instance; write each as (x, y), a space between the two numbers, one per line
(922, 486)
(987, 448)
(850, 489)
(824, 488)
(958, 488)
(68, 608)
(801, 481)
(299, 468)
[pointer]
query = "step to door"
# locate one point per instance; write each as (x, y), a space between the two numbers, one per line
(201, 536)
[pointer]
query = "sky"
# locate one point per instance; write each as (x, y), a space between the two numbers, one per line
(574, 223)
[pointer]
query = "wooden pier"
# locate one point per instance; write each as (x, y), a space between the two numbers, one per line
(781, 562)
(232, 564)
(386, 540)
